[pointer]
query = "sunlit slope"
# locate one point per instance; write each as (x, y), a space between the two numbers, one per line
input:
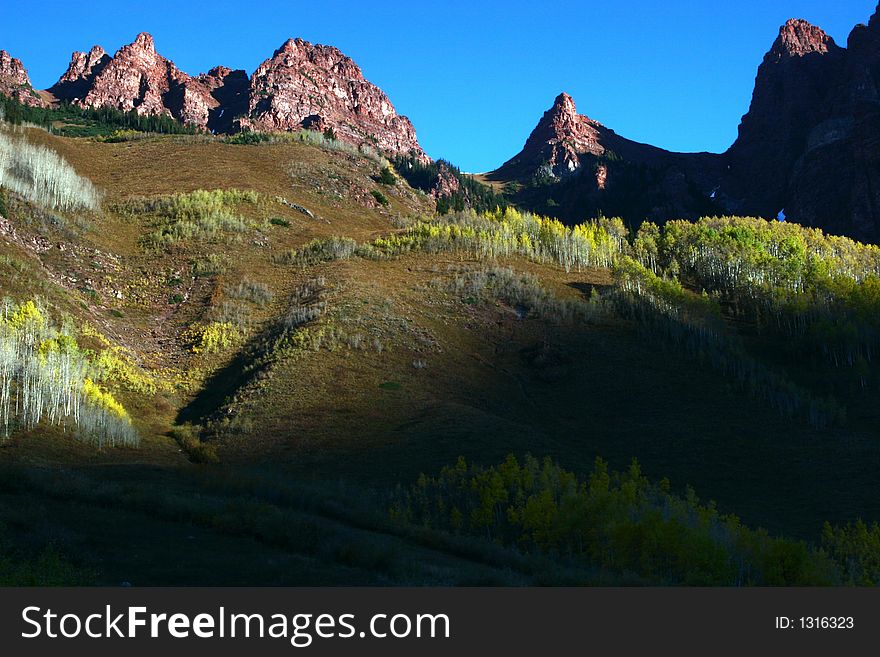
(141, 273)
(285, 317)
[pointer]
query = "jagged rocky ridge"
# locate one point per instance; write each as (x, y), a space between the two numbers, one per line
(809, 145)
(301, 86)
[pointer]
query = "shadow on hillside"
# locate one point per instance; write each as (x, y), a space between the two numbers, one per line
(220, 387)
(586, 289)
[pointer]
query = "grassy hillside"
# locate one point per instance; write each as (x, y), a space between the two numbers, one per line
(292, 353)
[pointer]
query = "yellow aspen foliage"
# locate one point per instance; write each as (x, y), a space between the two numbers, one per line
(117, 365)
(60, 344)
(97, 396)
(212, 338)
(27, 314)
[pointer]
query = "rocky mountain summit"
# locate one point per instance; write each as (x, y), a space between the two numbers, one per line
(301, 86)
(80, 74)
(573, 167)
(557, 142)
(810, 142)
(306, 85)
(137, 77)
(793, 82)
(140, 79)
(15, 83)
(808, 147)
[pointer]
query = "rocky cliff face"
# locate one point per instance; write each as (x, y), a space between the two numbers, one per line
(138, 78)
(446, 183)
(811, 141)
(14, 81)
(792, 84)
(216, 98)
(306, 85)
(300, 86)
(835, 183)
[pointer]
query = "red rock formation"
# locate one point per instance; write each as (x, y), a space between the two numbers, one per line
(798, 38)
(790, 89)
(14, 81)
(446, 184)
(574, 168)
(215, 99)
(136, 78)
(304, 84)
(80, 74)
(811, 141)
(301, 86)
(555, 145)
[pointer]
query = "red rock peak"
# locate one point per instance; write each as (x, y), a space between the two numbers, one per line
(798, 38)
(14, 81)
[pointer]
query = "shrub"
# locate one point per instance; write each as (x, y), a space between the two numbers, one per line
(251, 291)
(322, 140)
(200, 214)
(212, 338)
(210, 265)
(278, 221)
(381, 199)
(322, 250)
(616, 521)
(119, 136)
(47, 568)
(233, 312)
(187, 436)
(523, 291)
(248, 138)
(387, 177)
(117, 365)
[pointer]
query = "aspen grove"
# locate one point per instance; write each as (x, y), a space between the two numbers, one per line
(46, 378)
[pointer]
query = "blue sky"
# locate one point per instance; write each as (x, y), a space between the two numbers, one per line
(474, 76)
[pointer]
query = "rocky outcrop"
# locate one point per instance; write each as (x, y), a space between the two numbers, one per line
(306, 85)
(555, 146)
(573, 167)
(300, 86)
(792, 84)
(810, 142)
(216, 99)
(446, 184)
(80, 75)
(137, 78)
(15, 83)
